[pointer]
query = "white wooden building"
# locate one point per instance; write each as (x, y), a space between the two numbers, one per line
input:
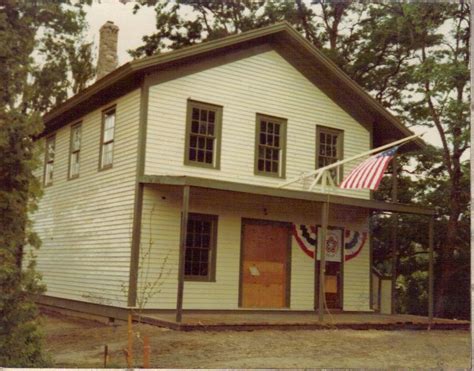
(208, 133)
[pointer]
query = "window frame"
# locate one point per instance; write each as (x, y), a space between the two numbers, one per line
(216, 163)
(105, 112)
(283, 131)
(340, 149)
(71, 152)
(46, 161)
(211, 272)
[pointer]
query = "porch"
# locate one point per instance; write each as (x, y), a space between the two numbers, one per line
(303, 289)
(286, 320)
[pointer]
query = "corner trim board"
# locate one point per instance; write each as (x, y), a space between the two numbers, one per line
(139, 189)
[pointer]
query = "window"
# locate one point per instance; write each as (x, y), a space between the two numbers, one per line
(107, 142)
(200, 257)
(329, 146)
(203, 135)
(49, 161)
(74, 151)
(270, 143)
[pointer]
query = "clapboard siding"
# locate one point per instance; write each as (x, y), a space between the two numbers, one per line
(263, 83)
(85, 224)
(160, 248)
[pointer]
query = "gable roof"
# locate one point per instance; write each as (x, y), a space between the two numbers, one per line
(287, 41)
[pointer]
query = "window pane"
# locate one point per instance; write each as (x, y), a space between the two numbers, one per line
(198, 248)
(50, 150)
(209, 144)
(192, 154)
(268, 166)
(74, 166)
(270, 140)
(195, 127)
(107, 154)
(208, 157)
(49, 173)
(274, 166)
(193, 141)
(195, 114)
(108, 135)
(212, 116)
(202, 135)
(76, 138)
(270, 128)
(275, 155)
(269, 147)
(201, 142)
(109, 121)
(210, 129)
(200, 155)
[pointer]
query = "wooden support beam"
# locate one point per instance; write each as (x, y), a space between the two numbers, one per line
(316, 275)
(182, 251)
(394, 239)
(322, 264)
(430, 271)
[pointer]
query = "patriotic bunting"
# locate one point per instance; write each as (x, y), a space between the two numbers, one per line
(306, 238)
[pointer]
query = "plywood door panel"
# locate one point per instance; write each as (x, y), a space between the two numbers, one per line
(264, 266)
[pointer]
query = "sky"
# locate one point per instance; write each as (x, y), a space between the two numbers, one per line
(132, 27)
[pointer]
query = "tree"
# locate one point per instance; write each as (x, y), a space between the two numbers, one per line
(38, 41)
(411, 57)
(438, 96)
(427, 184)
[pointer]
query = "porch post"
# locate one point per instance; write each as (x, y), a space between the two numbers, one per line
(322, 265)
(182, 250)
(430, 271)
(394, 235)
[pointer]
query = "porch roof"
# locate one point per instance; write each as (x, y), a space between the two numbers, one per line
(284, 193)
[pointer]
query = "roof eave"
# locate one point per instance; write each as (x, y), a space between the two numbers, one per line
(141, 66)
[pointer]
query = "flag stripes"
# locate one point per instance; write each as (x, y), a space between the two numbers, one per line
(369, 173)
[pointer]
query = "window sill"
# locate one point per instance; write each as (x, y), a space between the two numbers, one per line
(198, 279)
(106, 167)
(201, 165)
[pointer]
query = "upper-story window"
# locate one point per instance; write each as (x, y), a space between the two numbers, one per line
(49, 160)
(74, 151)
(270, 146)
(200, 256)
(203, 135)
(107, 141)
(329, 149)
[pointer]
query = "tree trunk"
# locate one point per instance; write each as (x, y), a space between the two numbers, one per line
(447, 266)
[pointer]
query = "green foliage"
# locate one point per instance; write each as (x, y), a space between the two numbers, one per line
(38, 43)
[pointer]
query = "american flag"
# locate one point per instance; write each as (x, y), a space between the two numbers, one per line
(370, 172)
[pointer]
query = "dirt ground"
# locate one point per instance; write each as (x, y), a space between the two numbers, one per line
(80, 343)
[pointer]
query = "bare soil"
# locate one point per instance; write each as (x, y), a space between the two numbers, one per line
(80, 343)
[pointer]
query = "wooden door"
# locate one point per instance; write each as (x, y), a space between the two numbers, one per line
(265, 265)
(333, 285)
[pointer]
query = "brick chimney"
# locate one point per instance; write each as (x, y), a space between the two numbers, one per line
(108, 59)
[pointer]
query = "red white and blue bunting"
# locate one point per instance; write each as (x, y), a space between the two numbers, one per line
(354, 241)
(307, 238)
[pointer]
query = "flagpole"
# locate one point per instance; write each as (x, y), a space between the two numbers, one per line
(342, 162)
